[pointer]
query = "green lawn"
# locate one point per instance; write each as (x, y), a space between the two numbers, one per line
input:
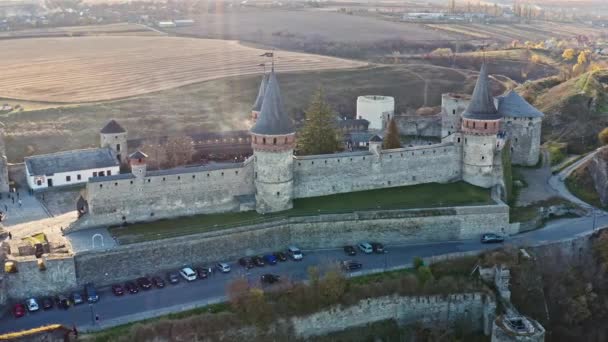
(416, 196)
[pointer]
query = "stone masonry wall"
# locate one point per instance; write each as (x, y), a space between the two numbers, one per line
(166, 196)
(419, 125)
(340, 173)
(30, 281)
(324, 231)
(475, 308)
(525, 139)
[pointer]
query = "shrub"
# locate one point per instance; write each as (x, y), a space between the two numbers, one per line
(418, 262)
(424, 274)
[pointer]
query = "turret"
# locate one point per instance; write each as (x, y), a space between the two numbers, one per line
(112, 135)
(257, 106)
(481, 123)
(137, 161)
(523, 123)
(273, 141)
(375, 145)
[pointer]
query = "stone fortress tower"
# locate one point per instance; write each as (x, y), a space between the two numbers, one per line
(257, 105)
(481, 128)
(137, 161)
(523, 122)
(273, 142)
(114, 136)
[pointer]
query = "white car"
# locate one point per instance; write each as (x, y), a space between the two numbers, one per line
(188, 274)
(32, 305)
(366, 248)
(223, 267)
(295, 253)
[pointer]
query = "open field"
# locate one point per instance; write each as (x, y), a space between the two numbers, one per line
(535, 31)
(88, 69)
(121, 29)
(225, 104)
(405, 197)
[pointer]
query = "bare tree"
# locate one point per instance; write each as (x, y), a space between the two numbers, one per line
(156, 153)
(179, 151)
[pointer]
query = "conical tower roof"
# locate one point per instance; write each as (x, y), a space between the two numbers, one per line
(482, 106)
(112, 127)
(257, 106)
(273, 119)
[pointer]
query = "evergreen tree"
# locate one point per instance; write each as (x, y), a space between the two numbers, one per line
(392, 138)
(319, 134)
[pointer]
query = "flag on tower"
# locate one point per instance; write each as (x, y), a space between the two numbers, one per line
(267, 54)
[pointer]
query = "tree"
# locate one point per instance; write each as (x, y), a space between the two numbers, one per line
(535, 58)
(568, 54)
(319, 134)
(582, 58)
(603, 138)
(392, 138)
(156, 153)
(179, 151)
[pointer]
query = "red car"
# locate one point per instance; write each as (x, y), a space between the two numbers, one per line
(118, 290)
(19, 310)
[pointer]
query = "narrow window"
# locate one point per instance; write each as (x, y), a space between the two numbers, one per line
(485, 125)
(222, 174)
(473, 124)
(278, 193)
(236, 172)
(117, 147)
(100, 186)
(458, 139)
(179, 177)
(109, 172)
(131, 182)
(116, 184)
(286, 140)
(68, 178)
(274, 141)
(264, 141)
(454, 111)
(149, 180)
(193, 176)
(164, 179)
(207, 175)
(78, 177)
(483, 158)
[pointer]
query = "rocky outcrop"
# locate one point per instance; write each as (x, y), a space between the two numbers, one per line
(598, 171)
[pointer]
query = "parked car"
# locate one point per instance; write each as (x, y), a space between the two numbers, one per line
(173, 278)
(246, 262)
(158, 282)
(77, 298)
(295, 253)
(188, 274)
(202, 272)
(118, 290)
(270, 259)
(258, 261)
(32, 305)
(280, 256)
(91, 293)
(351, 265)
(18, 310)
(62, 302)
(366, 248)
(223, 267)
(492, 238)
(131, 287)
(144, 283)
(47, 303)
(350, 250)
(270, 278)
(378, 248)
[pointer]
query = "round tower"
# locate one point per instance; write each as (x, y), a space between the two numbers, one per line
(137, 161)
(273, 141)
(481, 125)
(257, 106)
(114, 136)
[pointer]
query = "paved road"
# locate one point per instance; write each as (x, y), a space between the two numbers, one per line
(115, 310)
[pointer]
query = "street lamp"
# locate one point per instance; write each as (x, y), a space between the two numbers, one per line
(92, 314)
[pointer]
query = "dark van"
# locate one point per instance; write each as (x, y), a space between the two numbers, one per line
(91, 293)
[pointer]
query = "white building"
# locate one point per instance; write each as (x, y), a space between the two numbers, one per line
(70, 167)
(376, 109)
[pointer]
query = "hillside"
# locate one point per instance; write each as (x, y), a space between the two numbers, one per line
(576, 110)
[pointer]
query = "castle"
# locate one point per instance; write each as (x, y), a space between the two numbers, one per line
(477, 133)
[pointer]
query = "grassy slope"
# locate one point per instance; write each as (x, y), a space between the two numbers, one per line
(220, 105)
(417, 196)
(580, 184)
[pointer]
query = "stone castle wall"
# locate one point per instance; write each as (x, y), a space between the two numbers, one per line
(340, 173)
(323, 231)
(419, 125)
(163, 196)
(30, 281)
(525, 139)
(478, 309)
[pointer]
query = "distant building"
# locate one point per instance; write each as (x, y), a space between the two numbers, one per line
(376, 109)
(183, 22)
(70, 167)
(166, 24)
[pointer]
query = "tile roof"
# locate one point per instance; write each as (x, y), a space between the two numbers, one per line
(76, 160)
(273, 119)
(112, 127)
(512, 104)
(482, 106)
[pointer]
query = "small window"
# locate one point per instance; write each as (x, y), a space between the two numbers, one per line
(299, 164)
(485, 125)
(179, 177)
(68, 178)
(389, 182)
(473, 124)
(117, 147)
(131, 182)
(164, 179)
(515, 139)
(458, 139)
(94, 174)
(222, 174)
(236, 172)
(193, 176)
(102, 174)
(312, 163)
(326, 162)
(109, 172)
(100, 186)
(208, 175)
(264, 141)
(483, 157)
(453, 111)
(413, 178)
(286, 140)
(78, 177)
(449, 133)
(39, 182)
(116, 184)
(149, 180)
(278, 193)
(274, 141)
